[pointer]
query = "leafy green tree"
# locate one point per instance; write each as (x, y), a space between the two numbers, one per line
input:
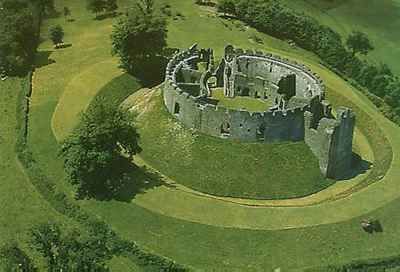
(111, 6)
(66, 12)
(46, 239)
(13, 259)
(56, 34)
(92, 154)
(226, 6)
(47, 6)
(359, 42)
(73, 251)
(17, 36)
(139, 36)
(95, 6)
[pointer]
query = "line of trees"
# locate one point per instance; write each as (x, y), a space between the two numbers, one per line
(275, 19)
(66, 250)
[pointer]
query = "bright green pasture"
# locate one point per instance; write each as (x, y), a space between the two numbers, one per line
(204, 246)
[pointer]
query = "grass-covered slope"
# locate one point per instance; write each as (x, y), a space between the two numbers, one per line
(225, 167)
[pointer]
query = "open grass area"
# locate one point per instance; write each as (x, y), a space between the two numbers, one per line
(241, 102)
(223, 167)
(287, 238)
(21, 205)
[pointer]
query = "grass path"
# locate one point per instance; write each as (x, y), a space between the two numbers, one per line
(79, 93)
(21, 205)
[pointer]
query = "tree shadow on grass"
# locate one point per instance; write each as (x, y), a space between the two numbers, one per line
(150, 72)
(128, 180)
(42, 58)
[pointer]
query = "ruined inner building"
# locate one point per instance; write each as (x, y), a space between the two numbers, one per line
(298, 110)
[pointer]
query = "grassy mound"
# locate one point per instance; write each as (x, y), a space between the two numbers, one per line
(223, 167)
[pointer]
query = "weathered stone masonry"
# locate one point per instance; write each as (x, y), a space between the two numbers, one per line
(299, 112)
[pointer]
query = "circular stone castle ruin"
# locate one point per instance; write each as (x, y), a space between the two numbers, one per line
(298, 111)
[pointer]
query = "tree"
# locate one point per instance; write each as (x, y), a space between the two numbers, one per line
(226, 6)
(47, 6)
(46, 239)
(358, 42)
(56, 34)
(139, 36)
(93, 153)
(110, 6)
(95, 6)
(73, 251)
(67, 12)
(203, 2)
(12, 258)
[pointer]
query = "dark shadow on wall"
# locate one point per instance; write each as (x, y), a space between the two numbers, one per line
(42, 58)
(359, 166)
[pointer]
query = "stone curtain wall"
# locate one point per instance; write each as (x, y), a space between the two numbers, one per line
(307, 115)
(180, 91)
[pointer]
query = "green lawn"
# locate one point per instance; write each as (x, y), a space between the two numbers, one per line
(240, 102)
(21, 205)
(299, 237)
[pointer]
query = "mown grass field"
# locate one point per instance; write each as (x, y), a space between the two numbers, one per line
(75, 71)
(21, 206)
